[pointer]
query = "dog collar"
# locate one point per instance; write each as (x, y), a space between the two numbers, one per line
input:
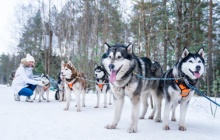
(184, 89)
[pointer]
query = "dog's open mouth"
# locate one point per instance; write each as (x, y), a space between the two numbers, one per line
(113, 75)
(196, 73)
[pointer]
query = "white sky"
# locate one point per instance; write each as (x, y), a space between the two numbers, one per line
(6, 15)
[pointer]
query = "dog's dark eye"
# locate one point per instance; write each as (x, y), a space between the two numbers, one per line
(119, 57)
(199, 61)
(109, 57)
(190, 61)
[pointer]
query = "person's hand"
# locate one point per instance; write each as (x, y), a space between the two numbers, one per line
(40, 83)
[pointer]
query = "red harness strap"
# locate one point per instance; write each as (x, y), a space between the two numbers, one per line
(100, 86)
(71, 85)
(184, 90)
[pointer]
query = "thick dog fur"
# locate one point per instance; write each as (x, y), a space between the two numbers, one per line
(72, 76)
(156, 72)
(190, 67)
(41, 90)
(102, 85)
(122, 65)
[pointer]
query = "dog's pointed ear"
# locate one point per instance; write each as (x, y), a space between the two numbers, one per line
(70, 63)
(185, 52)
(201, 52)
(96, 65)
(62, 63)
(107, 46)
(130, 48)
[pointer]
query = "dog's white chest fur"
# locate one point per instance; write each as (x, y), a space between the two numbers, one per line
(130, 88)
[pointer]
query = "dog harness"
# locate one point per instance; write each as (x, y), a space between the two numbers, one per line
(100, 86)
(46, 87)
(184, 89)
(71, 85)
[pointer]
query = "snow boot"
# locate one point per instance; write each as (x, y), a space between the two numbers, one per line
(28, 99)
(16, 97)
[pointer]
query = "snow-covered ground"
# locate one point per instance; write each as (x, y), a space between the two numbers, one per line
(48, 121)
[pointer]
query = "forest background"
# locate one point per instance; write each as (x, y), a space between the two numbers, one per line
(76, 30)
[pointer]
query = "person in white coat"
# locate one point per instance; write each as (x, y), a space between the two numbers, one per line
(23, 83)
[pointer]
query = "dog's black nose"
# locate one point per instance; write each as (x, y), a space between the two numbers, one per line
(198, 68)
(111, 66)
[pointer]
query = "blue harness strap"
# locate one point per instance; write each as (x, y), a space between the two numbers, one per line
(200, 93)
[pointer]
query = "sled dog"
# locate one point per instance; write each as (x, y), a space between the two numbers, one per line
(156, 72)
(74, 82)
(102, 85)
(41, 90)
(60, 93)
(125, 69)
(189, 67)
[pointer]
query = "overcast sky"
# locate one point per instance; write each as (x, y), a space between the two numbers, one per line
(6, 14)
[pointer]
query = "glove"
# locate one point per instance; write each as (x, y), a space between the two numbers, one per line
(39, 83)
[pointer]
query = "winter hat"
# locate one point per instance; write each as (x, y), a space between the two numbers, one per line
(29, 58)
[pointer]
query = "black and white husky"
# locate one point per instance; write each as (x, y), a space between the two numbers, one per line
(189, 67)
(124, 69)
(102, 85)
(156, 72)
(60, 93)
(41, 90)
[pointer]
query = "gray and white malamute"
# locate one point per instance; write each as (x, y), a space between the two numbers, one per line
(41, 90)
(102, 85)
(190, 67)
(156, 72)
(123, 66)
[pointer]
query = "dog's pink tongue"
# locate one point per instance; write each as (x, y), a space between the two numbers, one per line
(112, 76)
(197, 74)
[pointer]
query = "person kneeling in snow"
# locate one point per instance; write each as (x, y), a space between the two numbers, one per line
(23, 82)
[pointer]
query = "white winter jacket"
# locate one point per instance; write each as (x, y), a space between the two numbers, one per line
(23, 76)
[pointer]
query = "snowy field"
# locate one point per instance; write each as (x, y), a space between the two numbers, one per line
(48, 121)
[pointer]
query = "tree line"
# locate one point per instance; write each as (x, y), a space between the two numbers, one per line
(76, 30)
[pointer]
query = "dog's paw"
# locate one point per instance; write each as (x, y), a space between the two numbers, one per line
(105, 106)
(96, 107)
(182, 128)
(66, 108)
(157, 120)
(48, 100)
(78, 110)
(173, 119)
(110, 103)
(166, 127)
(39, 101)
(132, 129)
(151, 117)
(141, 117)
(110, 126)
(83, 105)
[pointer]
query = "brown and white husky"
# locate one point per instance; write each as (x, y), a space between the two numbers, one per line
(75, 82)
